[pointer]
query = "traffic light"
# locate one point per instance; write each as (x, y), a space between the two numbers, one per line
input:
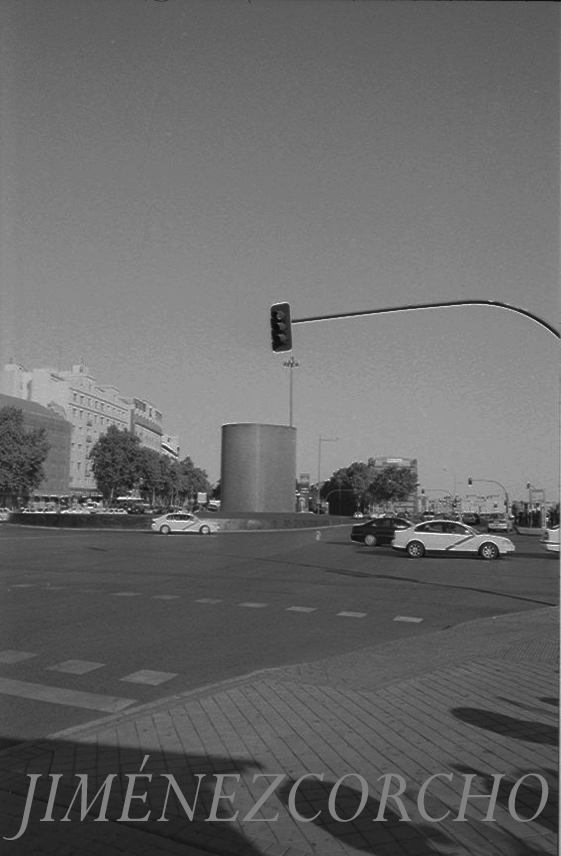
(281, 333)
(470, 481)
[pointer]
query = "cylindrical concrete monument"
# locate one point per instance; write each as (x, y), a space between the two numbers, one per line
(258, 468)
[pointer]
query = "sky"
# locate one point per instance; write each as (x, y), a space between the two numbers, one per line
(171, 169)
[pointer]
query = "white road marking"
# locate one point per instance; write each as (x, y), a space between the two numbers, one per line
(22, 585)
(126, 594)
(301, 609)
(14, 656)
(209, 600)
(70, 698)
(409, 618)
(165, 596)
(352, 614)
(75, 667)
(254, 605)
(147, 676)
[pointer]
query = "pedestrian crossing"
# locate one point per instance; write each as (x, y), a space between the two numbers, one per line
(295, 608)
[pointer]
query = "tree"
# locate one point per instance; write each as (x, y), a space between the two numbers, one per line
(22, 455)
(392, 484)
(116, 462)
(153, 474)
(191, 479)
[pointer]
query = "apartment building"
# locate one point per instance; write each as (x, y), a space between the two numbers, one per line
(91, 408)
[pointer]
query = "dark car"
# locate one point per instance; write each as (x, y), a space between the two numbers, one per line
(471, 519)
(378, 531)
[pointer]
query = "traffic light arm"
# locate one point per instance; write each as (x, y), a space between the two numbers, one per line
(411, 307)
(492, 481)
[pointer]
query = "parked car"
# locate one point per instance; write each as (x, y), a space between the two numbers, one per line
(471, 519)
(182, 521)
(379, 530)
(447, 536)
(499, 523)
(5, 514)
(550, 539)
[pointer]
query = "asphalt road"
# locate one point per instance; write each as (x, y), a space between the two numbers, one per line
(95, 622)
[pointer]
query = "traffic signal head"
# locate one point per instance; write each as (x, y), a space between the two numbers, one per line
(281, 333)
(470, 481)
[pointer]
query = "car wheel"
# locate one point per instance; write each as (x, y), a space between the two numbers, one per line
(370, 540)
(205, 530)
(489, 551)
(165, 530)
(415, 549)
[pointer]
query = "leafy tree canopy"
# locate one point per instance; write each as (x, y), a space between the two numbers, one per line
(116, 462)
(392, 484)
(22, 455)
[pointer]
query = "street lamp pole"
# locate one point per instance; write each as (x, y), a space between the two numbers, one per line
(322, 440)
(291, 364)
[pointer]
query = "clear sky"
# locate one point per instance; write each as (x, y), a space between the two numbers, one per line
(171, 169)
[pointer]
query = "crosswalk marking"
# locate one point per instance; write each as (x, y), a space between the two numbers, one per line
(208, 600)
(14, 656)
(75, 667)
(352, 614)
(301, 609)
(71, 698)
(165, 596)
(409, 618)
(254, 605)
(148, 676)
(126, 593)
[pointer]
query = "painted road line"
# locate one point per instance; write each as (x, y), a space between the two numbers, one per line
(22, 585)
(209, 600)
(254, 605)
(14, 656)
(165, 596)
(126, 594)
(352, 614)
(301, 609)
(75, 667)
(69, 698)
(409, 618)
(147, 676)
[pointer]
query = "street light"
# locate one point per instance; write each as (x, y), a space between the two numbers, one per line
(322, 440)
(291, 364)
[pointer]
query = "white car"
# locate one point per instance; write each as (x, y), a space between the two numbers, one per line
(182, 521)
(5, 514)
(500, 523)
(448, 536)
(550, 539)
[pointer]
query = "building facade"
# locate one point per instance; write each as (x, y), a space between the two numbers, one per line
(170, 447)
(58, 433)
(90, 408)
(146, 423)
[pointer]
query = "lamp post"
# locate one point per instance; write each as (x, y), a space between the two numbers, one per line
(322, 440)
(291, 364)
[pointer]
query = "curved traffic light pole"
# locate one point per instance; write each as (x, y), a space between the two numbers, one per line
(413, 306)
(492, 481)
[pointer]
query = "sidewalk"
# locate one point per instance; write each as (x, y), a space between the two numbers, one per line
(476, 700)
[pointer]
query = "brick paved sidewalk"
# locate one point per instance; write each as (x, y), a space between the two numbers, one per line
(470, 703)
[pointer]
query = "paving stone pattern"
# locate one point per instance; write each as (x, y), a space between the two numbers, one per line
(485, 716)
